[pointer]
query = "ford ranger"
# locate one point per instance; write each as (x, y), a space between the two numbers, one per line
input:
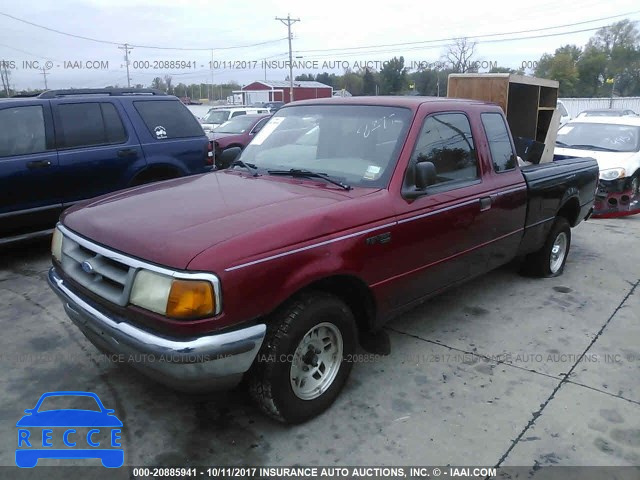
(339, 215)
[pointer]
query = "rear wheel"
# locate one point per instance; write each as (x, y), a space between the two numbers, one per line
(305, 359)
(549, 261)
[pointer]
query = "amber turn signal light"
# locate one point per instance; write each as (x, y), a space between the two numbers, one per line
(190, 299)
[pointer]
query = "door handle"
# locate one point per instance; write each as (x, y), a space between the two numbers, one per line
(127, 153)
(485, 204)
(38, 164)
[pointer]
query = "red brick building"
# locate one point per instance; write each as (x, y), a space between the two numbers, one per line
(278, 90)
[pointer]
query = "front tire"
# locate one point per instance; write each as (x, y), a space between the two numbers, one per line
(305, 359)
(550, 260)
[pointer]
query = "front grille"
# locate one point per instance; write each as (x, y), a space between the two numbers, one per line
(107, 277)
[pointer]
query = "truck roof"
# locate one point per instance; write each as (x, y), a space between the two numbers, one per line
(412, 102)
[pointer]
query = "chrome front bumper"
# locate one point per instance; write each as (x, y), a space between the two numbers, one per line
(215, 361)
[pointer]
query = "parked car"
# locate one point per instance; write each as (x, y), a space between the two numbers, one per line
(615, 143)
(274, 106)
(270, 269)
(565, 116)
(217, 116)
(607, 112)
(64, 146)
(237, 132)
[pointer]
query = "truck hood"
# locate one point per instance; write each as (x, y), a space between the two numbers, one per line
(171, 222)
(630, 161)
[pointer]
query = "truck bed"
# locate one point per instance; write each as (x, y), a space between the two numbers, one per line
(576, 177)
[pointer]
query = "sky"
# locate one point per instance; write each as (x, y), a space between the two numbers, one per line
(329, 34)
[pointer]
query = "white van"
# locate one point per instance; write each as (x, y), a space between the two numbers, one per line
(217, 116)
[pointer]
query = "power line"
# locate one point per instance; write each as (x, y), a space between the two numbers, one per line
(474, 36)
(108, 42)
(497, 40)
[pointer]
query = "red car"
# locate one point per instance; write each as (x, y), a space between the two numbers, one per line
(274, 268)
(237, 132)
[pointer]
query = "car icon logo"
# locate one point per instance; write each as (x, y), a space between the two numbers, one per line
(69, 433)
(87, 267)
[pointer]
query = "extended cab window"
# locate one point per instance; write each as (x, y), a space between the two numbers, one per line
(168, 119)
(499, 142)
(238, 113)
(87, 124)
(445, 140)
(22, 131)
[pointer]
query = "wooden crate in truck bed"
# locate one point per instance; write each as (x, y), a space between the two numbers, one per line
(528, 102)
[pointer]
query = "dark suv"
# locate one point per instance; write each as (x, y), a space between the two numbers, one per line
(64, 146)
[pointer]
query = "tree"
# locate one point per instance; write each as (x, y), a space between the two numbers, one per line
(460, 56)
(502, 70)
(159, 84)
(351, 82)
(368, 83)
(167, 81)
(563, 67)
(393, 77)
(305, 77)
(331, 80)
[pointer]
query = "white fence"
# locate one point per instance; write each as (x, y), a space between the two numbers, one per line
(577, 105)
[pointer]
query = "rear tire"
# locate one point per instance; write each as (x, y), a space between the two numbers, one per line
(550, 260)
(305, 359)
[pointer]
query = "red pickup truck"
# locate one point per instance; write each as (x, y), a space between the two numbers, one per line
(339, 215)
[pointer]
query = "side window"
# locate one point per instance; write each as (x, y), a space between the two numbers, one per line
(22, 131)
(445, 140)
(168, 119)
(237, 114)
(81, 124)
(258, 126)
(499, 143)
(114, 130)
(87, 124)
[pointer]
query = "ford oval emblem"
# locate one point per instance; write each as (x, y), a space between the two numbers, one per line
(87, 267)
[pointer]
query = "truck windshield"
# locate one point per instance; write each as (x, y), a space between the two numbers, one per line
(600, 136)
(356, 144)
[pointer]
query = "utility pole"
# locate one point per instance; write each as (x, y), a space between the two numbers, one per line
(127, 49)
(213, 93)
(44, 74)
(5, 77)
(288, 22)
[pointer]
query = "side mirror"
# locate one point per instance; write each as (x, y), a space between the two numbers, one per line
(425, 175)
(228, 156)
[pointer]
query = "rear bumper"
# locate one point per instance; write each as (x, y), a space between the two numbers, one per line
(209, 362)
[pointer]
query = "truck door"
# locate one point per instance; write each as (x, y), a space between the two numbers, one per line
(505, 212)
(30, 194)
(438, 237)
(97, 152)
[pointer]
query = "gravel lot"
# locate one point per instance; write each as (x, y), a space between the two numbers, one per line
(504, 370)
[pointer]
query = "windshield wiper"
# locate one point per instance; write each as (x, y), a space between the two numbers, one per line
(562, 144)
(294, 172)
(593, 147)
(249, 166)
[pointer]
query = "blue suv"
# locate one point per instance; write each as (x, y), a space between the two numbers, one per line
(64, 146)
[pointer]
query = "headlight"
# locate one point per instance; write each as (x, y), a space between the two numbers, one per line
(56, 244)
(173, 297)
(612, 174)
